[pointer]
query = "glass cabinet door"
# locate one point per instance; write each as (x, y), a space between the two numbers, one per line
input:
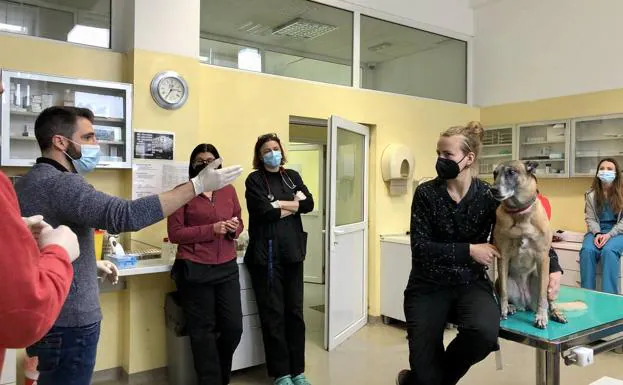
(593, 139)
(29, 94)
(497, 147)
(547, 144)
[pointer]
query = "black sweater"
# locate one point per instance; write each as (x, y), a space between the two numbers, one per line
(289, 241)
(442, 230)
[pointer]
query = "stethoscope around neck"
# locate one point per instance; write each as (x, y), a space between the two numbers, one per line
(289, 182)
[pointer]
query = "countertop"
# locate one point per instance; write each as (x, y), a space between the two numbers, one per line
(396, 238)
(564, 245)
(153, 266)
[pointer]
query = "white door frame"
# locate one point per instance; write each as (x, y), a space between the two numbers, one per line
(334, 232)
(320, 200)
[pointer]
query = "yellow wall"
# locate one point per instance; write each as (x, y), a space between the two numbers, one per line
(566, 195)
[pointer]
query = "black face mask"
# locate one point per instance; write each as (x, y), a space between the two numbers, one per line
(447, 168)
(199, 167)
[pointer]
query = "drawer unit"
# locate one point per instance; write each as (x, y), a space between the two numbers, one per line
(250, 351)
(249, 305)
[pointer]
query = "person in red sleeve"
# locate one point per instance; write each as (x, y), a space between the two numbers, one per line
(206, 273)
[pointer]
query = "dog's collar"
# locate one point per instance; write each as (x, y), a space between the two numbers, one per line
(520, 210)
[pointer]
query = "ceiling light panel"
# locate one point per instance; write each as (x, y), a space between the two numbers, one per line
(303, 29)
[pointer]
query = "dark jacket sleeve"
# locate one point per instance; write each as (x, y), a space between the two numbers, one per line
(258, 204)
(307, 205)
(554, 264)
(422, 244)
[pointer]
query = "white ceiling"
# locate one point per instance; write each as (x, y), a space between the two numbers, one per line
(228, 19)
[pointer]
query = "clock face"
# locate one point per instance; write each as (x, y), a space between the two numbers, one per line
(171, 90)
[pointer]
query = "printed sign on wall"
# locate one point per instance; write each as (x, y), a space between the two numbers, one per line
(154, 145)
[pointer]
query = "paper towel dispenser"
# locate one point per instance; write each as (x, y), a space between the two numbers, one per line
(397, 167)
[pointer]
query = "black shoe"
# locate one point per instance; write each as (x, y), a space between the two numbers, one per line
(401, 378)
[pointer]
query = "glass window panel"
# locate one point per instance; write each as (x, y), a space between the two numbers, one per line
(350, 177)
(293, 38)
(405, 60)
(77, 21)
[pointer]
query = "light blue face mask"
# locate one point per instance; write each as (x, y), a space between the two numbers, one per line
(606, 176)
(89, 157)
(272, 159)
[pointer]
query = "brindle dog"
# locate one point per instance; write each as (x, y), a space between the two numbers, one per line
(523, 236)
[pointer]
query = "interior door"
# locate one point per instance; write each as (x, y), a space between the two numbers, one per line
(347, 230)
(308, 160)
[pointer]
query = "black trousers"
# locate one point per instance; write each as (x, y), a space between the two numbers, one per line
(280, 303)
(472, 307)
(210, 296)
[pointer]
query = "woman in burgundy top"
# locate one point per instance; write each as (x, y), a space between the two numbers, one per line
(206, 273)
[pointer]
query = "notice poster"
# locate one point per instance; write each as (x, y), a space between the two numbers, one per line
(154, 145)
(149, 178)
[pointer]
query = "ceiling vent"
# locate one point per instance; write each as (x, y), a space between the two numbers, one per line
(303, 29)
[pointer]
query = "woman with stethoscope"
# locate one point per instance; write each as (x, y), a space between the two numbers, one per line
(277, 244)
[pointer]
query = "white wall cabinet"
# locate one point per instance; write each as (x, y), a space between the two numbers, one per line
(595, 138)
(28, 94)
(546, 143)
(497, 147)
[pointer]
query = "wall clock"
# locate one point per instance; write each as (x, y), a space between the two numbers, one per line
(169, 90)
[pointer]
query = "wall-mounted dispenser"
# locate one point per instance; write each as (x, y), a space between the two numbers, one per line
(397, 166)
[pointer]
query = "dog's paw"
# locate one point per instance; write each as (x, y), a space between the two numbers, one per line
(504, 309)
(541, 319)
(558, 316)
(512, 309)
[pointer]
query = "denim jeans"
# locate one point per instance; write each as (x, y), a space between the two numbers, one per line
(67, 355)
(609, 256)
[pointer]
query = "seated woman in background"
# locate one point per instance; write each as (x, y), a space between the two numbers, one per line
(206, 273)
(603, 241)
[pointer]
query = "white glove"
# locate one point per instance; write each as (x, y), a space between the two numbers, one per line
(211, 179)
(63, 237)
(276, 204)
(36, 225)
(300, 196)
(107, 269)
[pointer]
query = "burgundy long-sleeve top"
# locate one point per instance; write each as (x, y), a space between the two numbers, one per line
(192, 228)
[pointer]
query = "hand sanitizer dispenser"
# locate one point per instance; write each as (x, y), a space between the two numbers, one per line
(397, 166)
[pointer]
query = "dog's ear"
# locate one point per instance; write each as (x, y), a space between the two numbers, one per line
(531, 166)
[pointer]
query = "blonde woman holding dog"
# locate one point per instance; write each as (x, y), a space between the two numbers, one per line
(452, 218)
(603, 241)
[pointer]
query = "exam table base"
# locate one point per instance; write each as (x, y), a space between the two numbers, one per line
(547, 368)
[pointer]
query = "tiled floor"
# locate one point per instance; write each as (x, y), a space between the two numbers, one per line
(375, 354)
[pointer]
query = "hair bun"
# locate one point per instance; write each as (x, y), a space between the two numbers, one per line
(475, 128)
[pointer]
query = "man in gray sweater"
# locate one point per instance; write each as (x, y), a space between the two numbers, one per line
(55, 188)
